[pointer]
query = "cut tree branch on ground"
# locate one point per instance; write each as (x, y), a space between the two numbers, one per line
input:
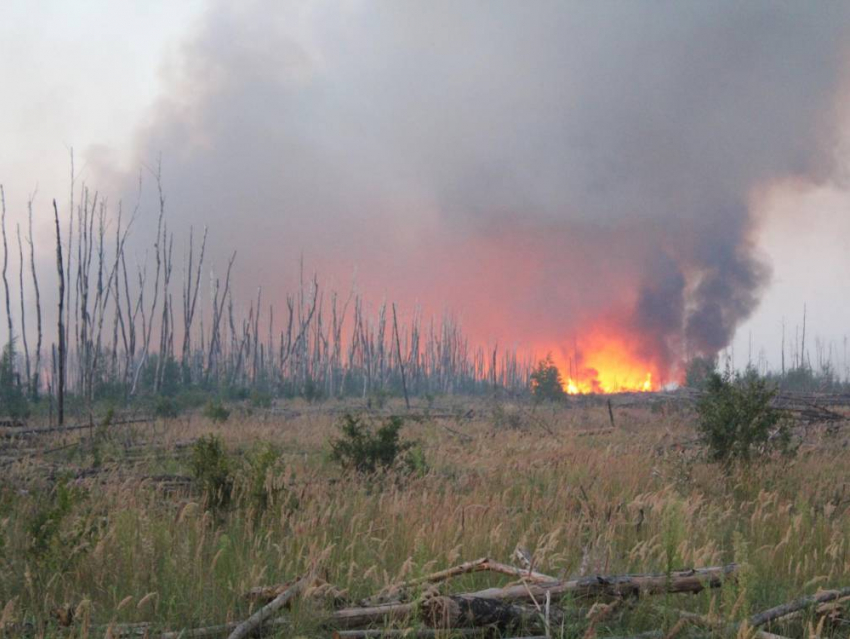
(398, 592)
(247, 627)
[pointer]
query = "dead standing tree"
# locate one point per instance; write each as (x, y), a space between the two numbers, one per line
(23, 312)
(60, 365)
(37, 368)
(5, 265)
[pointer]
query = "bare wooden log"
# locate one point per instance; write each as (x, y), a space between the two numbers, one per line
(409, 633)
(732, 628)
(62, 429)
(397, 592)
(363, 617)
(464, 611)
(778, 612)
(684, 581)
(519, 573)
(320, 590)
(247, 627)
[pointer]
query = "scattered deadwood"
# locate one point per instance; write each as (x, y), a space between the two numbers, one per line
(366, 616)
(320, 590)
(491, 611)
(464, 611)
(778, 612)
(683, 581)
(247, 627)
(409, 633)
(43, 430)
(401, 592)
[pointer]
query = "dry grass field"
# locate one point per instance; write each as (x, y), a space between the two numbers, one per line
(105, 532)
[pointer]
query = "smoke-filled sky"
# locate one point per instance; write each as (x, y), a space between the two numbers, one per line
(668, 172)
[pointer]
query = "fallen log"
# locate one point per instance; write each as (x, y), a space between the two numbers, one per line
(778, 612)
(683, 581)
(409, 633)
(256, 620)
(320, 590)
(399, 592)
(64, 429)
(418, 633)
(731, 627)
(463, 611)
(617, 586)
(519, 573)
(363, 617)
(207, 632)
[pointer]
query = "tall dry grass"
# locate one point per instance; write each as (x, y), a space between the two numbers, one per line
(121, 546)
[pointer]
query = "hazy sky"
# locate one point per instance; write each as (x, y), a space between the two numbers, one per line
(443, 123)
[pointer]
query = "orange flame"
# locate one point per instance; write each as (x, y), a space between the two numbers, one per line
(607, 363)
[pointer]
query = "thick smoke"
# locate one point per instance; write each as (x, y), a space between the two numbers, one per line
(537, 167)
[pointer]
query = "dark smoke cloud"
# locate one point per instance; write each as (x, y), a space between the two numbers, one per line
(532, 165)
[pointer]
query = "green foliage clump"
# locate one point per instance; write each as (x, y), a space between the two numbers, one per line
(13, 399)
(546, 381)
(215, 411)
(213, 471)
(368, 450)
(166, 408)
(261, 487)
(736, 420)
(45, 526)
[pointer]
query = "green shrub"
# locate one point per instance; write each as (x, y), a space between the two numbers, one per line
(166, 408)
(546, 381)
(368, 450)
(13, 400)
(736, 420)
(261, 489)
(44, 528)
(212, 469)
(215, 411)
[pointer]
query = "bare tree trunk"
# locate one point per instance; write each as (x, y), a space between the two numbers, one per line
(5, 265)
(400, 360)
(60, 388)
(23, 312)
(36, 382)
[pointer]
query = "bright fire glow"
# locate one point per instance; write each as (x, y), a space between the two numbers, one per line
(605, 363)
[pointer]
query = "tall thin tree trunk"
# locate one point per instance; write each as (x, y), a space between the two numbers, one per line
(23, 311)
(36, 382)
(60, 388)
(5, 265)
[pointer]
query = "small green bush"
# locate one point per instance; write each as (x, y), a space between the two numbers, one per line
(13, 399)
(166, 408)
(368, 450)
(546, 381)
(215, 411)
(44, 528)
(736, 420)
(212, 469)
(261, 489)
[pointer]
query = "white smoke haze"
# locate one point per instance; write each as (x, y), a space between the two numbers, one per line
(540, 168)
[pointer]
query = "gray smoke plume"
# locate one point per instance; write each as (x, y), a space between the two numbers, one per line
(535, 166)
